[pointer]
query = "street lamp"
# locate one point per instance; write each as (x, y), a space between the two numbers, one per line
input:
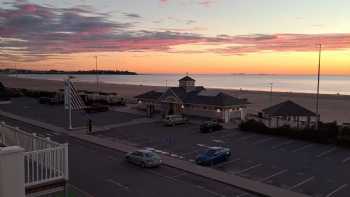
(271, 86)
(318, 87)
(97, 78)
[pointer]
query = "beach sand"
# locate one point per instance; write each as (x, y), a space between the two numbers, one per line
(332, 107)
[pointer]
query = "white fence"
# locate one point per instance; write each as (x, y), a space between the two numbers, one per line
(48, 165)
(45, 161)
(13, 136)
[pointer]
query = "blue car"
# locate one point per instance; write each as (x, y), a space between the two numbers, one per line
(213, 155)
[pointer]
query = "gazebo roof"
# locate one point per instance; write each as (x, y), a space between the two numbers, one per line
(186, 78)
(288, 108)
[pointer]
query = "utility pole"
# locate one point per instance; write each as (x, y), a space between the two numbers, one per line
(97, 78)
(271, 86)
(318, 87)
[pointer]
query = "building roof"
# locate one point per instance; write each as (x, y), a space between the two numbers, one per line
(288, 108)
(220, 100)
(195, 97)
(153, 95)
(186, 78)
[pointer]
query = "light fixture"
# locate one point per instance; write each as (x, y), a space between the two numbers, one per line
(139, 101)
(182, 106)
(218, 110)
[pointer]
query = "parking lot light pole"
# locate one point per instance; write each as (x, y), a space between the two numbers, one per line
(318, 87)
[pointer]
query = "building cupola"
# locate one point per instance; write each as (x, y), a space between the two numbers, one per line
(187, 83)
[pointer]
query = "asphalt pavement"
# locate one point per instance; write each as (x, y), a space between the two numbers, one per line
(98, 171)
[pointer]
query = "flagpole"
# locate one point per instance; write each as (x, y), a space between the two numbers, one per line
(68, 103)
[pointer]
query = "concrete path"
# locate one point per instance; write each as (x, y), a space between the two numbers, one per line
(243, 183)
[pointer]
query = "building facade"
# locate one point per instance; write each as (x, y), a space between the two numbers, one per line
(191, 100)
(288, 114)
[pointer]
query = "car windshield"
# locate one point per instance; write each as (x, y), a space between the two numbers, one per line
(151, 155)
(210, 152)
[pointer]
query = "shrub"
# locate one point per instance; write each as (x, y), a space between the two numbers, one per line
(327, 133)
(253, 125)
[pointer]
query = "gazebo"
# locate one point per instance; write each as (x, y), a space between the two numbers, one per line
(290, 114)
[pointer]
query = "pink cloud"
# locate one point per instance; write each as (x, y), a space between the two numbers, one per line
(44, 32)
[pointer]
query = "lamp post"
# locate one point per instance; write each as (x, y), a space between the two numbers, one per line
(271, 86)
(318, 87)
(97, 78)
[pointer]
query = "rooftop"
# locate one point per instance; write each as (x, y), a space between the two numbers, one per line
(187, 78)
(288, 108)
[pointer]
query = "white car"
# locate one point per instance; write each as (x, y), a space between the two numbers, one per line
(144, 158)
(172, 120)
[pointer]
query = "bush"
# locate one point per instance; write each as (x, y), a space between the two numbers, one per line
(36, 93)
(253, 125)
(7, 93)
(327, 133)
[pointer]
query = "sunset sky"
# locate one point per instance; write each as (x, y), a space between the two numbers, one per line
(177, 36)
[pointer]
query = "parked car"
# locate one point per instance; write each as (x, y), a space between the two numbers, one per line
(144, 158)
(172, 120)
(210, 126)
(213, 155)
(95, 108)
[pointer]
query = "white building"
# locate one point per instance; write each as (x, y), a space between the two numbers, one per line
(289, 114)
(192, 100)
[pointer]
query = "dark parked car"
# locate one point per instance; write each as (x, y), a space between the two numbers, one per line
(210, 126)
(96, 108)
(213, 155)
(144, 158)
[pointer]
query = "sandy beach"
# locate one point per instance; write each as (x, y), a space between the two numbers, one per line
(332, 107)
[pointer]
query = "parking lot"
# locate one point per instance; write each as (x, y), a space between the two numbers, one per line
(55, 114)
(310, 168)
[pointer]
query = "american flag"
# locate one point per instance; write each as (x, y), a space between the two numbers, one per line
(72, 98)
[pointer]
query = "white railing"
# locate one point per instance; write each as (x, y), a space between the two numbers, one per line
(45, 161)
(13, 136)
(43, 166)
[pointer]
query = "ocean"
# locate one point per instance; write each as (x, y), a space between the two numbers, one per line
(281, 83)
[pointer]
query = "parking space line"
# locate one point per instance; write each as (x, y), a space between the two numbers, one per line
(228, 162)
(302, 183)
(245, 138)
(203, 145)
(263, 140)
(118, 184)
(346, 160)
(326, 152)
(242, 195)
(337, 190)
(274, 175)
(282, 144)
(229, 135)
(218, 141)
(302, 148)
(247, 169)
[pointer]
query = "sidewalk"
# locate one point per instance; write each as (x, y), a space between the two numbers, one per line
(236, 181)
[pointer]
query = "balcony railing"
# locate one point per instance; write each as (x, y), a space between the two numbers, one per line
(45, 161)
(13, 136)
(48, 165)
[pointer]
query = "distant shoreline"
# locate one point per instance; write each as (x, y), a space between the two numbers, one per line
(60, 72)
